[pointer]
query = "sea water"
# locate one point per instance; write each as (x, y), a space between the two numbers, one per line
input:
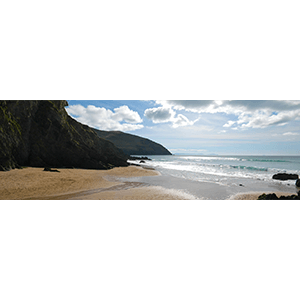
(226, 170)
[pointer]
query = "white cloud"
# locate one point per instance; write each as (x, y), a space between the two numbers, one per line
(105, 119)
(250, 114)
(291, 133)
(229, 124)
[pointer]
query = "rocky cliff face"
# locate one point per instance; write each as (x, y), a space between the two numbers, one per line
(41, 133)
(132, 144)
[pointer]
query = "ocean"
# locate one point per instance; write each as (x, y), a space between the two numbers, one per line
(237, 173)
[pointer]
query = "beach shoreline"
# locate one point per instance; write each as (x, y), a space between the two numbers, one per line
(124, 183)
(81, 184)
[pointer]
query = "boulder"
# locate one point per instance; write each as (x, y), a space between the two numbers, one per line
(298, 183)
(284, 176)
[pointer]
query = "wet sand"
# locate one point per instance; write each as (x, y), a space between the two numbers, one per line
(35, 184)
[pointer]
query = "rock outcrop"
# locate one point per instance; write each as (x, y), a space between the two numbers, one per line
(274, 197)
(284, 176)
(42, 134)
(139, 158)
(132, 144)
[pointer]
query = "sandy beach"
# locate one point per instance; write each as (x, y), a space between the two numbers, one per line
(129, 183)
(73, 184)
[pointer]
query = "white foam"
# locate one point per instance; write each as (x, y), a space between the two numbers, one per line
(177, 194)
(220, 169)
(210, 158)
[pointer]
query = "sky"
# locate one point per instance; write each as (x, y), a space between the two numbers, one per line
(200, 127)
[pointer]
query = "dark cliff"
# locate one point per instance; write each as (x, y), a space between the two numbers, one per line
(41, 133)
(132, 144)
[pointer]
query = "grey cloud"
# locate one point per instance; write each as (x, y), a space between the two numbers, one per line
(160, 114)
(166, 114)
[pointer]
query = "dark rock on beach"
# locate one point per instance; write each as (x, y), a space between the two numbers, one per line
(298, 183)
(40, 133)
(50, 170)
(274, 197)
(284, 176)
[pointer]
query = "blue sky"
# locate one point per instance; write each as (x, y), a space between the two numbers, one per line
(201, 127)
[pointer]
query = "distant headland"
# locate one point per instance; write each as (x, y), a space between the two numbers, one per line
(132, 144)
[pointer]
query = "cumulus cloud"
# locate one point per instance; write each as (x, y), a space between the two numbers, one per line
(250, 114)
(160, 114)
(122, 118)
(167, 114)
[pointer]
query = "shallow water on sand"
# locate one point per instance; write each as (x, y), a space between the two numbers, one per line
(220, 177)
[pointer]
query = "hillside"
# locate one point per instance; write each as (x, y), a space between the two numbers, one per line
(132, 144)
(42, 134)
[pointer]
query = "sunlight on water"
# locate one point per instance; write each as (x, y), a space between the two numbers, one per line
(222, 169)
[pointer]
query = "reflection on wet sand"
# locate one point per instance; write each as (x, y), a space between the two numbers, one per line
(85, 194)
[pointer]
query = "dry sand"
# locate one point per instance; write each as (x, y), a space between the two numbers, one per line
(34, 183)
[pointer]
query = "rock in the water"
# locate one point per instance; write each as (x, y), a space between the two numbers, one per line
(40, 133)
(284, 176)
(298, 183)
(139, 158)
(142, 162)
